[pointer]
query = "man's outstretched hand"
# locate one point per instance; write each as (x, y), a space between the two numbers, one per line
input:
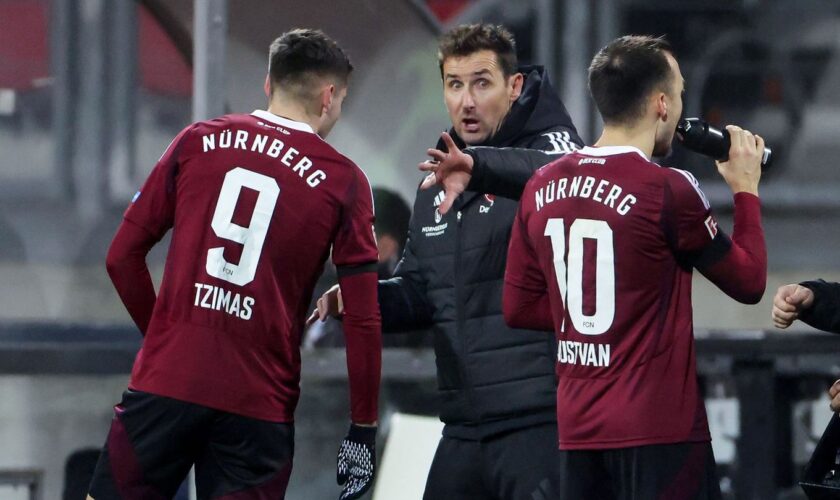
(451, 169)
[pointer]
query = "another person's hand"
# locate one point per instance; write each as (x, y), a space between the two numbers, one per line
(788, 302)
(356, 464)
(834, 392)
(451, 169)
(329, 304)
(742, 171)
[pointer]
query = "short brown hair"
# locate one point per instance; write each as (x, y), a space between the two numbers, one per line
(624, 73)
(468, 39)
(298, 55)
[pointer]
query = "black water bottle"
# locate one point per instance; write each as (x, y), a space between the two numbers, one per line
(697, 135)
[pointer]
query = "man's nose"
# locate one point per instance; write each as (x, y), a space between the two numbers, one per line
(467, 101)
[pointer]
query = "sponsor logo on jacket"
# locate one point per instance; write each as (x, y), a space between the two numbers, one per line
(438, 228)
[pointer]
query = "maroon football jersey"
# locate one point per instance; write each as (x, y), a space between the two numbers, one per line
(613, 237)
(255, 202)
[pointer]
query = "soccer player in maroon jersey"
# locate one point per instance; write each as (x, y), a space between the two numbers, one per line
(602, 251)
(255, 202)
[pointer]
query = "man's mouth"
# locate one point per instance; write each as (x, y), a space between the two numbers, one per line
(471, 125)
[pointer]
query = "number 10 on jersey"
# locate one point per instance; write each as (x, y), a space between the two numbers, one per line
(570, 275)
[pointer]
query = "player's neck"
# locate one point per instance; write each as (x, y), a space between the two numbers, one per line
(293, 111)
(642, 138)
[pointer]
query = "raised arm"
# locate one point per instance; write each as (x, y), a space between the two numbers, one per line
(737, 265)
(504, 171)
(498, 171)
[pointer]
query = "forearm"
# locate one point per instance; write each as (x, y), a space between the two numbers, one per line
(742, 271)
(528, 309)
(362, 332)
(504, 171)
(126, 265)
(402, 307)
(824, 313)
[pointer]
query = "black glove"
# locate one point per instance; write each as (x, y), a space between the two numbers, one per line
(356, 461)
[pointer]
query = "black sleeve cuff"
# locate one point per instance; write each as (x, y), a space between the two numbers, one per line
(362, 433)
(477, 171)
(350, 270)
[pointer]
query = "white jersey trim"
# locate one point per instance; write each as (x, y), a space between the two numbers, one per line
(695, 184)
(611, 150)
(285, 122)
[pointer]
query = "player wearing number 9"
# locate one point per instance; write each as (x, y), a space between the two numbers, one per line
(602, 251)
(255, 202)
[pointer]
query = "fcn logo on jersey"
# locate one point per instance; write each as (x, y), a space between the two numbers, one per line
(711, 226)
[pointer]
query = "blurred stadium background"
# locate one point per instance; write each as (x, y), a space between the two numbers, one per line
(92, 91)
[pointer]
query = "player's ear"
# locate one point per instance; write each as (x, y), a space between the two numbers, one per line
(327, 94)
(267, 86)
(516, 81)
(662, 106)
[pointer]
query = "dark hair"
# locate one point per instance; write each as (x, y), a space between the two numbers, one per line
(392, 215)
(298, 55)
(624, 73)
(468, 39)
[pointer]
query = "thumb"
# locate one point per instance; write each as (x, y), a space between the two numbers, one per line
(799, 295)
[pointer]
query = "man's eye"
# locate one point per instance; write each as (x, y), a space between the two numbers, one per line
(482, 82)
(454, 84)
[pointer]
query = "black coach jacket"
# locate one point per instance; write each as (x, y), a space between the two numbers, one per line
(491, 378)
(824, 313)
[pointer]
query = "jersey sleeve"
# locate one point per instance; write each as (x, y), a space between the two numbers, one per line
(737, 265)
(525, 300)
(355, 256)
(153, 207)
(692, 229)
(355, 243)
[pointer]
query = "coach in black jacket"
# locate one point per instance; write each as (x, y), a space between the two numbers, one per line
(497, 384)
(816, 303)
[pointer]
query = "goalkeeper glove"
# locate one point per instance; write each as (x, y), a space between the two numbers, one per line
(356, 461)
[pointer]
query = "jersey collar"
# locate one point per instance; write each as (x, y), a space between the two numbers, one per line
(611, 150)
(285, 122)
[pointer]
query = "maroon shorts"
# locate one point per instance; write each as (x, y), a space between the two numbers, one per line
(154, 441)
(681, 471)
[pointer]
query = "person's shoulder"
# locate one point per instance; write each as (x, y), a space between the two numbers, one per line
(223, 121)
(558, 163)
(553, 168)
(684, 185)
(679, 178)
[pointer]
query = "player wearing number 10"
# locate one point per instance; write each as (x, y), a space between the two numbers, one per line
(602, 251)
(255, 203)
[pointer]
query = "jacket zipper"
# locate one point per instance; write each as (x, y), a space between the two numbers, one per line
(460, 307)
